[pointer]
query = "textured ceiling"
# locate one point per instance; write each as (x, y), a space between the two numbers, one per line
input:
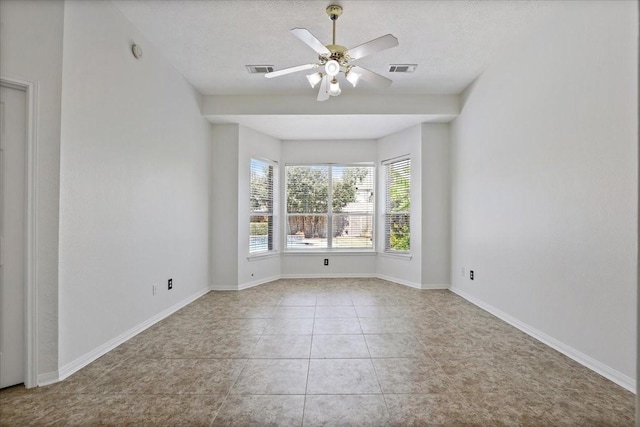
(211, 41)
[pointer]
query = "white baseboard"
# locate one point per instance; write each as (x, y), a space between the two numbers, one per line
(258, 282)
(399, 281)
(82, 361)
(328, 276)
(587, 361)
(435, 286)
(332, 276)
(48, 378)
(223, 288)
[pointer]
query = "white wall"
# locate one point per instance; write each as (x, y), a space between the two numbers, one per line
(330, 151)
(334, 151)
(233, 147)
(545, 186)
(402, 269)
(134, 193)
(255, 270)
(435, 189)
(31, 34)
(224, 207)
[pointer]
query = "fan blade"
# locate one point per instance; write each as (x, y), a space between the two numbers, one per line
(290, 70)
(372, 78)
(323, 93)
(373, 46)
(311, 41)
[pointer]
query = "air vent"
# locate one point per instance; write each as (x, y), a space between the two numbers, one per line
(259, 69)
(402, 68)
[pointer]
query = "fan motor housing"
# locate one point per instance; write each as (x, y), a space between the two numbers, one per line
(338, 53)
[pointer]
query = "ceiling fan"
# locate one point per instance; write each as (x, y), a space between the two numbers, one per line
(335, 59)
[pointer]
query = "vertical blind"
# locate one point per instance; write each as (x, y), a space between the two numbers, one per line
(261, 206)
(397, 205)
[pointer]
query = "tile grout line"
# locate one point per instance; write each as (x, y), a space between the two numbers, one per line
(306, 384)
(384, 399)
(237, 377)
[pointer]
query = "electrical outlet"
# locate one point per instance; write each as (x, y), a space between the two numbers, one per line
(170, 284)
(154, 289)
(326, 261)
(471, 274)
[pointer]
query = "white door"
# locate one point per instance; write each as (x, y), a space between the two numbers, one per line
(13, 112)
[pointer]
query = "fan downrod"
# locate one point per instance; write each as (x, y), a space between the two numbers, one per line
(338, 52)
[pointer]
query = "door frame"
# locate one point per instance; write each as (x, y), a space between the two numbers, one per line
(31, 232)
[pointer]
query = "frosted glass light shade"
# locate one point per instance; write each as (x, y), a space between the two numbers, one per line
(332, 68)
(334, 88)
(353, 77)
(314, 79)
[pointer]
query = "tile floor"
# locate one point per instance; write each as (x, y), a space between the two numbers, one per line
(360, 352)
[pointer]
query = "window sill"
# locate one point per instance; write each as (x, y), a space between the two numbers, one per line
(317, 252)
(264, 255)
(404, 256)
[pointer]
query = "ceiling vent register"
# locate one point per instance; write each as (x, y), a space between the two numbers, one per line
(402, 68)
(259, 69)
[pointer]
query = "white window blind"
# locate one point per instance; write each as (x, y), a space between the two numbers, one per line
(330, 206)
(352, 207)
(397, 205)
(261, 206)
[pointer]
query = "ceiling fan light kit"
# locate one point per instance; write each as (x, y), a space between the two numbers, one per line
(336, 59)
(353, 77)
(314, 79)
(332, 67)
(334, 88)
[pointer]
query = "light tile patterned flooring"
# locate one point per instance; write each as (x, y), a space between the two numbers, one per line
(361, 352)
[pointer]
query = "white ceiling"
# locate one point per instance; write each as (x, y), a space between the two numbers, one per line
(211, 41)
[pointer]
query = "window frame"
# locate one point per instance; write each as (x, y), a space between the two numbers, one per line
(272, 242)
(329, 214)
(387, 213)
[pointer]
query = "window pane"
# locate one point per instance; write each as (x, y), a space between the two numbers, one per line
(398, 205)
(306, 231)
(398, 232)
(330, 206)
(307, 189)
(352, 188)
(399, 186)
(261, 206)
(260, 233)
(352, 231)
(261, 187)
